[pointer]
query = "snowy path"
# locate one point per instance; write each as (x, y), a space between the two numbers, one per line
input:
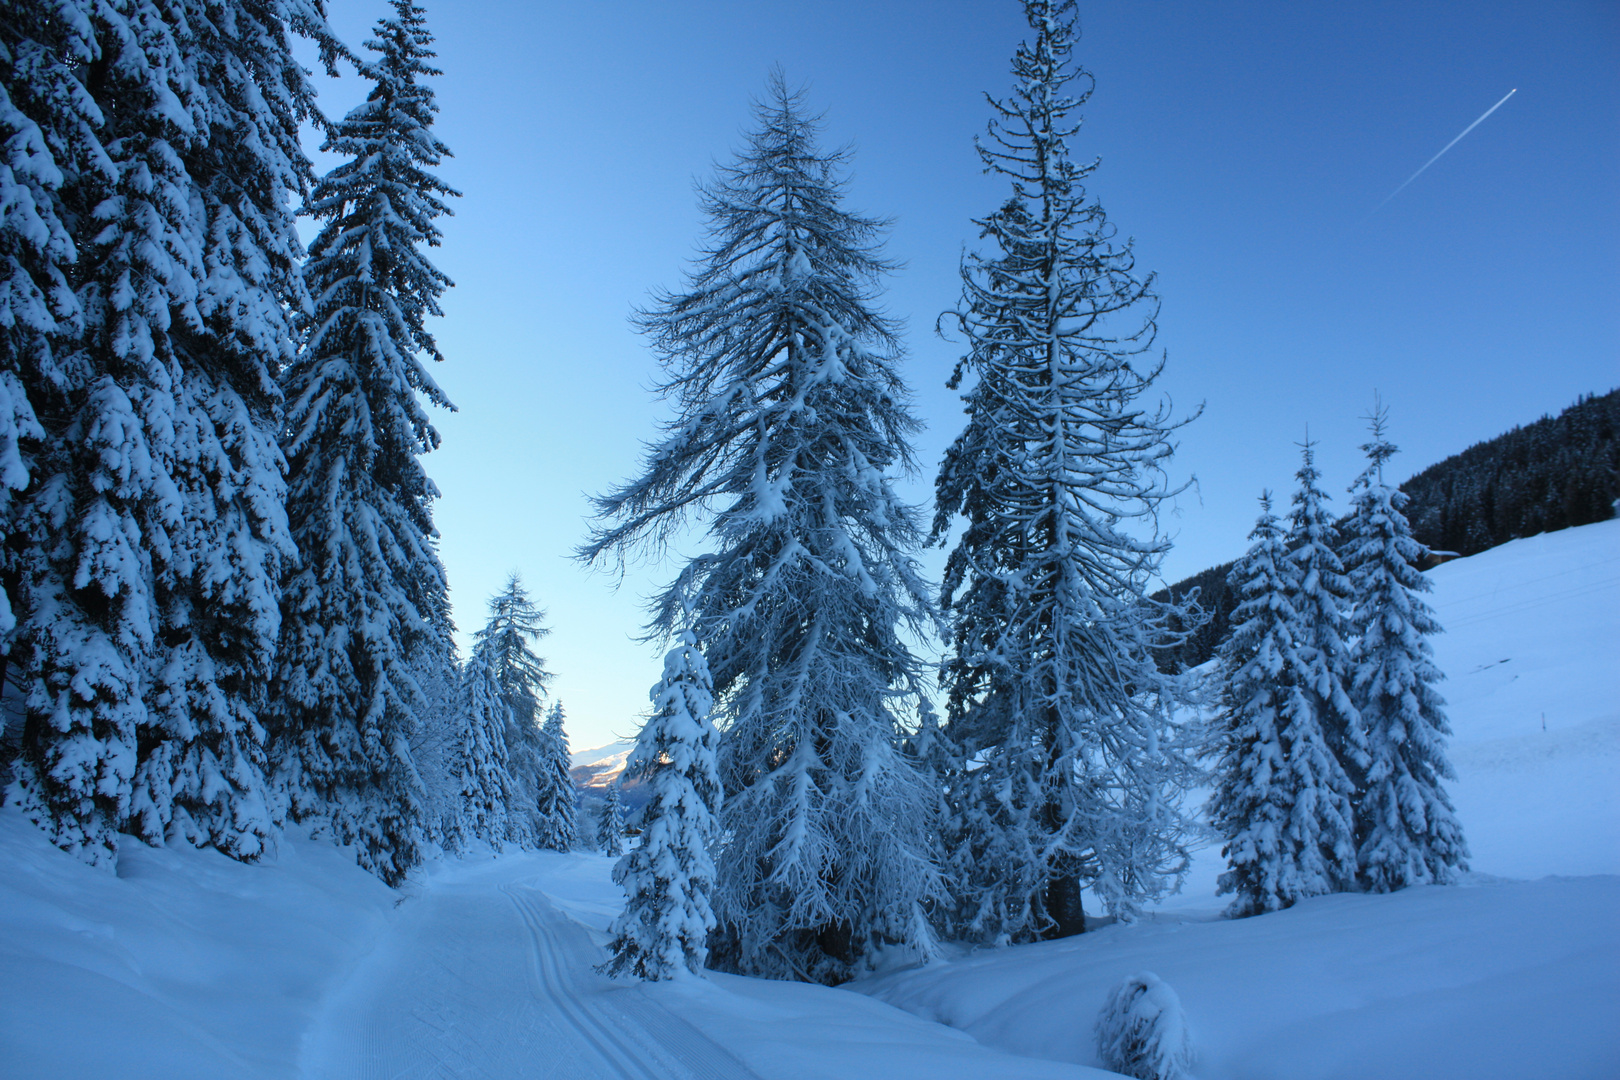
(481, 977)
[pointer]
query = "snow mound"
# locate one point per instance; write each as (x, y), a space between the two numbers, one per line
(1142, 1031)
(183, 964)
(1492, 981)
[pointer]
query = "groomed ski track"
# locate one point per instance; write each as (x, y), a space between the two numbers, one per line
(481, 977)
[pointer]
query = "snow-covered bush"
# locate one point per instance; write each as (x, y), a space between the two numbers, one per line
(1142, 1031)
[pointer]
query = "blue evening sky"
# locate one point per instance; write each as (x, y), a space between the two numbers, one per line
(1243, 145)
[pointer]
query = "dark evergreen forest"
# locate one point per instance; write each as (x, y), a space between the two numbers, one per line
(1555, 473)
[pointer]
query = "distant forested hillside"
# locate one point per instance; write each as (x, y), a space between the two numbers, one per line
(1558, 472)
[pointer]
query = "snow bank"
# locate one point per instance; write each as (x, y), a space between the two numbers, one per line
(185, 964)
(1506, 981)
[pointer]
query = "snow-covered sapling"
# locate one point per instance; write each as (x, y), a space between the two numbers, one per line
(612, 838)
(1142, 1031)
(663, 931)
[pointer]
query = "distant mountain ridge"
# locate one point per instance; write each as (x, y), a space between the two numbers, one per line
(1558, 472)
(598, 767)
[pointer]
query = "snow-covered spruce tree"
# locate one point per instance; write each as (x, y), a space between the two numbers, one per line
(47, 135)
(1059, 474)
(202, 752)
(505, 647)
(1407, 832)
(442, 735)
(481, 791)
(558, 801)
(81, 541)
(156, 524)
(1282, 802)
(669, 876)
(791, 418)
(367, 595)
(612, 837)
(1321, 607)
(440, 745)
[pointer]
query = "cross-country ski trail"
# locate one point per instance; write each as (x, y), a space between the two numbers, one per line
(480, 976)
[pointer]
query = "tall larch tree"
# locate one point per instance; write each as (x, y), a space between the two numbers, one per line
(791, 420)
(1057, 479)
(365, 600)
(668, 878)
(1282, 802)
(1407, 832)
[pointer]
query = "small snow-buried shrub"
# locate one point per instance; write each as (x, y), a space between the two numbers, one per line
(1142, 1031)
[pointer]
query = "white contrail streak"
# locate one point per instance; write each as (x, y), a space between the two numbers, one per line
(1448, 146)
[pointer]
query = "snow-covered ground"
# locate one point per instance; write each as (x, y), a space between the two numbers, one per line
(186, 964)
(1514, 975)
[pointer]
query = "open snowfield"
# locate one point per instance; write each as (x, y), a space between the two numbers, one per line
(186, 964)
